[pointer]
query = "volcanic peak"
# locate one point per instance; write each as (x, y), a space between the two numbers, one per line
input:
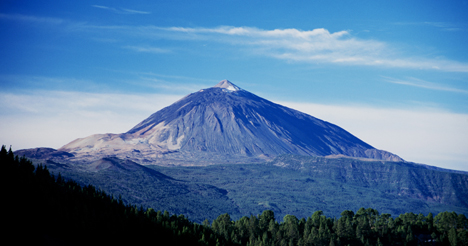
(226, 84)
(224, 124)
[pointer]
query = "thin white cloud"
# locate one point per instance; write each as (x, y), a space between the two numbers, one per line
(180, 78)
(255, 32)
(424, 84)
(147, 49)
(121, 10)
(27, 81)
(444, 26)
(100, 7)
(30, 18)
(317, 46)
(310, 46)
(170, 86)
(132, 11)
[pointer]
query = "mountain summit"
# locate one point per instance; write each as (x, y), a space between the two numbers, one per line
(226, 84)
(225, 124)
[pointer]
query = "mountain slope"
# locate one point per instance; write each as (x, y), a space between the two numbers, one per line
(224, 123)
(288, 184)
(408, 180)
(148, 187)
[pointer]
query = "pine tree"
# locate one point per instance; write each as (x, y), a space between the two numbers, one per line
(452, 237)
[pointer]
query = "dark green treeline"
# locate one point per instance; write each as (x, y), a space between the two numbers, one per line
(40, 209)
(46, 210)
(365, 227)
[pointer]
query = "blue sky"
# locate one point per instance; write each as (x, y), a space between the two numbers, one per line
(394, 73)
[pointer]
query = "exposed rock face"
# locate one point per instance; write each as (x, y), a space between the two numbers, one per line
(225, 124)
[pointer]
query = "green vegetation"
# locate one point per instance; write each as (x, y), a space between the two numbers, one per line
(47, 210)
(365, 227)
(149, 188)
(293, 185)
(304, 184)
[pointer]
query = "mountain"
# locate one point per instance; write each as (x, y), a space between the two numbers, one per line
(224, 124)
(287, 161)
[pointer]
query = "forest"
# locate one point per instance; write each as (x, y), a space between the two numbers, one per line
(45, 209)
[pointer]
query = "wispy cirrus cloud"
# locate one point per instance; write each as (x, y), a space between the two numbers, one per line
(30, 18)
(315, 46)
(170, 86)
(121, 10)
(147, 49)
(444, 26)
(424, 84)
(305, 46)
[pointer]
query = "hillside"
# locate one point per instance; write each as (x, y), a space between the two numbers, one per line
(65, 213)
(287, 185)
